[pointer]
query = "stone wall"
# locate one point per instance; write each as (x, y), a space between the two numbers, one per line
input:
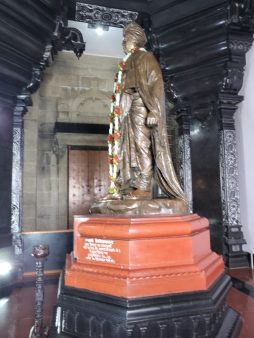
(73, 91)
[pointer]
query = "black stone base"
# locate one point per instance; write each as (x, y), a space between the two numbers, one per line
(243, 286)
(239, 260)
(85, 314)
(234, 255)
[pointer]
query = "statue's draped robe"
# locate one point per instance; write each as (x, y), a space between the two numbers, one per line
(144, 152)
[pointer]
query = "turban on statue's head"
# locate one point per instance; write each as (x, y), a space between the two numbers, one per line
(136, 33)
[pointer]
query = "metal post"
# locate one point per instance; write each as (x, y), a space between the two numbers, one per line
(40, 252)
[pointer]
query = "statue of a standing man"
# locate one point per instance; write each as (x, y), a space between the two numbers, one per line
(138, 139)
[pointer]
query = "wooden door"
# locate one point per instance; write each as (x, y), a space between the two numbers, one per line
(88, 180)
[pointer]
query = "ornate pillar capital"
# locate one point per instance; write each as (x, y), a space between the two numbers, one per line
(227, 105)
(23, 100)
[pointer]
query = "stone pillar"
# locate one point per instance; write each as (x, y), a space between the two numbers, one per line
(17, 165)
(183, 119)
(6, 132)
(234, 255)
(228, 99)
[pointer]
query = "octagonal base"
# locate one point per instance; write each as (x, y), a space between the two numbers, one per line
(133, 257)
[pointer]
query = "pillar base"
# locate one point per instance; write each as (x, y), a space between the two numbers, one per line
(235, 256)
(237, 261)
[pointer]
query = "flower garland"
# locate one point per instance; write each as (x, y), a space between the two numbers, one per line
(114, 119)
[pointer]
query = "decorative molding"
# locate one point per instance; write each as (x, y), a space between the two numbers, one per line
(237, 45)
(73, 322)
(105, 16)
(122, 275)
(228, 105)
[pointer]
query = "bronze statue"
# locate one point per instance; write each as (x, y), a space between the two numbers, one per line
(138, 143)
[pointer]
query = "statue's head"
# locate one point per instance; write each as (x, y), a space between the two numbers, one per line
(133, 37)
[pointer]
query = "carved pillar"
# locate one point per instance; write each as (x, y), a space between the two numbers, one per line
(214, 38)
(238, 44)
(23, 100)
(17, 165)
(184, 143)
(233, 237)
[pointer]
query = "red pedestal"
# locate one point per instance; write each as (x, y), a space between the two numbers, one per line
(133, 257)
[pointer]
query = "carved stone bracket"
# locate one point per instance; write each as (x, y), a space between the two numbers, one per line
(241, 13)
(233, 78)
(230, 197)
(58, 149)
(104, 16)
(238, 45)
(68, 38)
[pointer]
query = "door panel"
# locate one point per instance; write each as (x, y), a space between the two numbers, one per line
(88, 180)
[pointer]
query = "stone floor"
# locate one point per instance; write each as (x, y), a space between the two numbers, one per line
(17, 309)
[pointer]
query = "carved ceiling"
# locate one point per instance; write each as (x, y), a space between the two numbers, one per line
(129, 5)
(105, 16)
(29, 28)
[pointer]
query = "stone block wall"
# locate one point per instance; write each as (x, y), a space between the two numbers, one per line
(73, 91)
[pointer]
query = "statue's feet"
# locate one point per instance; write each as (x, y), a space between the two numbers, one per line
(111, 197)
(138, 194)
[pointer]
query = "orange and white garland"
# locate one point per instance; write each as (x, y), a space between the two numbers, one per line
(114, 118)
